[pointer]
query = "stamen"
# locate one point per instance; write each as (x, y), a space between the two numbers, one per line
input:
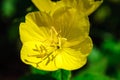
(36, 48)
(41, 50)
(47, 61)
(47, 57)
(58, 47)
(43, 54)
(59, 42)
(54, 30)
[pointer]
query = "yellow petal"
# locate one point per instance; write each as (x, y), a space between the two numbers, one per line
(69, 59)
(44, 5)
(30, 54)
(85, 46)
(35, 27)
(47, 5)
(58, 5)
(86, 6)
(70, 3)
(91, 5)
(71, 24)
(39, 18)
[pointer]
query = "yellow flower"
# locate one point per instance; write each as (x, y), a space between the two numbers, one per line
(58, 41)
(86, 6)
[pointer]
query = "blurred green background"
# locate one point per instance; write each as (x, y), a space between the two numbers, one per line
(103, 62)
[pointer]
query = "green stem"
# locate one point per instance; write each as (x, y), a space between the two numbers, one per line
(61, 74)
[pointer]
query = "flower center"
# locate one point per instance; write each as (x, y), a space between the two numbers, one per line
(56, 40)
(47, 50)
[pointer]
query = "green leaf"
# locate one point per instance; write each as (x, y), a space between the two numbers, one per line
(91, 76)
(111, 44)
(95, 55)
(8, 7)
(99, 67)
(118, 75)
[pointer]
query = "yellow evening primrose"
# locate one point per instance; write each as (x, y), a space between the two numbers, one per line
(58, 41)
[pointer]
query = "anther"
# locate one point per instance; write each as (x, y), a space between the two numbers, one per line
(58, 47)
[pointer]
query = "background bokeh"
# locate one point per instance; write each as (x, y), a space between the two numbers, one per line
(103, 62)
